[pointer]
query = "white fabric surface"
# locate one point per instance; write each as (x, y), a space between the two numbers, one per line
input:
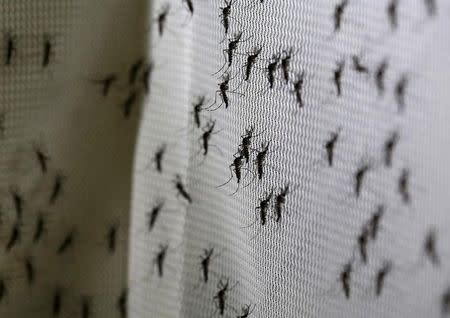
(289, 268)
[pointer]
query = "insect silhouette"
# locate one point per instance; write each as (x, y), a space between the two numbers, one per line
(65, 244)
(358, 66)
(128, 104)
(112, 238)
(146, 77)
(3, 290)
(190, 6)
(122, 303)
(10, 49)
(272, 68)
(338, 77)
(14, 237)
(206, 136)
(445, 302)
(42, 159)
(47, 52)
(179, 186)
(225, 15)
(153, 215)
(389, 147)
(251, 60)
(162, 19)
(298, 89)
(246, 311)
(232, 46)
(18, 203)
(400, 89)
(247, 142)
(329, 147)
(2, 124)
(286, 64)
(223, 90)
(39, 229)
(160, 258)
(106, 83)
(133, 72)
(345, 278)
(363, 238)
(392, 13)
(205, 262)
(430, 248)
(338, 14)
(374, 223)
(431, 7)
(263, 207)
(57, 303)
(221, 296)
(57, 188)
(85, 308)
(198, 107)
(280, 201)
(158, 157)
(29, 269)
(379, 76)
(261, 159)
(381, 277)
(236, 167)
(403, 186)
(359, 178)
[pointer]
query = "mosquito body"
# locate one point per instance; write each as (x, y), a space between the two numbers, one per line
(128, 104)
(363, 239)
(65, 244)
(381, 277)
(329, 147)
(358, 66)
(42, 159)
(374, 223)
(162, 19)
(207, 135)
(198, 107)
(379, 76)
(345, 278)
(160, 259)
(57, 188)
(206, 260)
(298, 89)
(400, 90)
(133, 72)
(10, 49)
(14, 238)
(153, 215)
(272, 68)
(338, 14)
(158, 157)
(264, 207)
(261, 159)
(403, 186)
(430, 248)
(181, 189)
(251, 60)
(112, 238)
(389, 147)
(280, 201)
(359, 178)
(337, 77)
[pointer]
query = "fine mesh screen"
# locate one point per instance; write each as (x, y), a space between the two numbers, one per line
(119, 198)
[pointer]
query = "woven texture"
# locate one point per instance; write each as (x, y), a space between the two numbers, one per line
(314, 185)
(292, 268)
